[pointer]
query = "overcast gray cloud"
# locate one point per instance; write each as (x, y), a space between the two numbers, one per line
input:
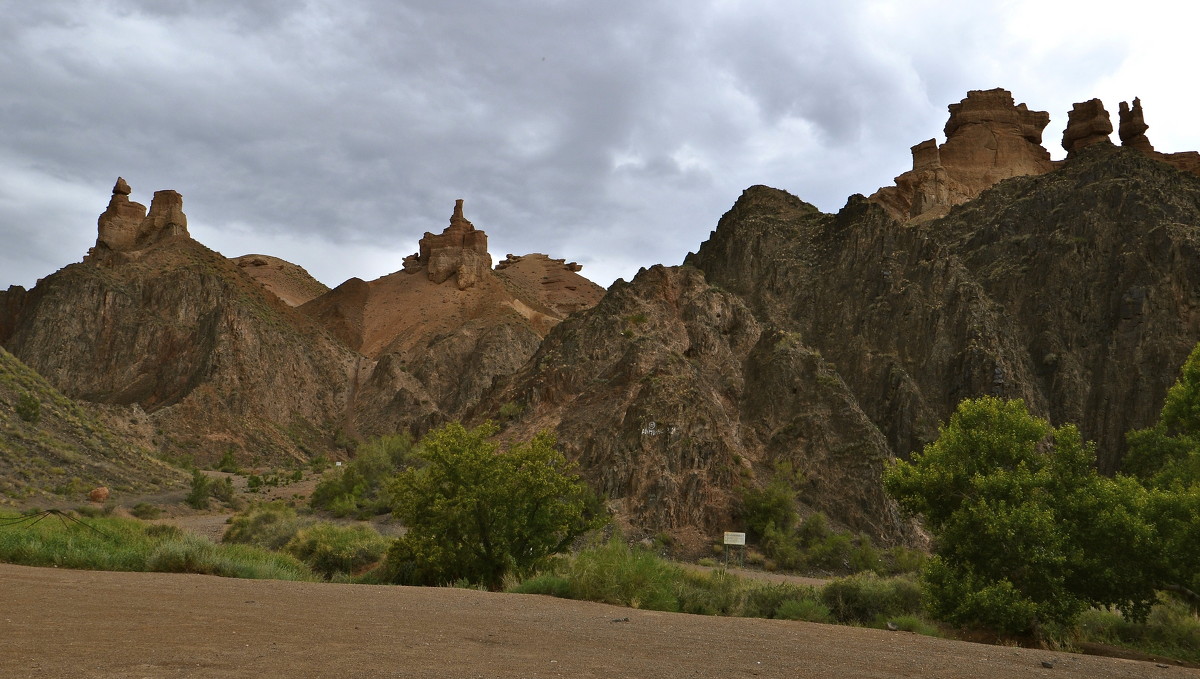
(334, 134)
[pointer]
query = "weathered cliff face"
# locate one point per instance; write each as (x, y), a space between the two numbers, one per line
(671, 396)
(988, 139)
(1074, 290)
(180, 331)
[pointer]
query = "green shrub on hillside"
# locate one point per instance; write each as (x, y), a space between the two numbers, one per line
(197, 497)
(29, 408)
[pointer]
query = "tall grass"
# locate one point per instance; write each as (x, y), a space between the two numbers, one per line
(1171, 630)
(115, 544)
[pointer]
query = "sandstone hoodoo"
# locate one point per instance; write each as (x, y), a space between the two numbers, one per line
(125, 227)
(1087, 123)
(460, 251)
(988, 139)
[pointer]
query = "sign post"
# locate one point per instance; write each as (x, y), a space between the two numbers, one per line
(735, 540)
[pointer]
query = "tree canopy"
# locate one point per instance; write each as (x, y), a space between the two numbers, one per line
(475, 512)
(1027, 533)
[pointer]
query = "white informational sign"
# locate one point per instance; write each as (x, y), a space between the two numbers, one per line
(735, 539)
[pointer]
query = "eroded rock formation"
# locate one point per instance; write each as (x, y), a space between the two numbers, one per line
(988, 139)
(1087, 123)
(459, 251)
(1132, 130)
(125, 227)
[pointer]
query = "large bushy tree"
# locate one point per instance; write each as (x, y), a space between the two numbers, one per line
(1027, 533)
(475, 512)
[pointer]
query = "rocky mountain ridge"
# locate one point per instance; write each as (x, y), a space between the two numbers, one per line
(822, 343)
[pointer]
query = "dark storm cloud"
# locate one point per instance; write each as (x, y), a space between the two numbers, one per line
(335, 134)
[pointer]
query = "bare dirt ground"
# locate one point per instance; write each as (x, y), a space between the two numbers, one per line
(63, 623)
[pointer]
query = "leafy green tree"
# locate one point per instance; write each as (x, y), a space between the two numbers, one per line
(1028, 534)
(1168, 454)
(476, 513)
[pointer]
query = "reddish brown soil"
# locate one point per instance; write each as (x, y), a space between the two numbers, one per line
(62, 623)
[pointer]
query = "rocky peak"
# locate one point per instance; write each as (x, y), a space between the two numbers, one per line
(1132, 131)
(1133, 127)
(1087, 123)
(125, 226)
(460, 251)
(989, 138)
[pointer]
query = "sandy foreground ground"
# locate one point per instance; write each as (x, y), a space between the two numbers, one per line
(64, 623)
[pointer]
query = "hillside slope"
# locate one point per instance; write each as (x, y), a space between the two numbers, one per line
(55, 449)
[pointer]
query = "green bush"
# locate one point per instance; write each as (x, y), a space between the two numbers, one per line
(1169, 630)
(764, 600)
(773, 504)
(330, 549)
(222, 489)
(478, 513)
(616, 573)
(270, 526)
(29, 408)
(228, 463)
(360, 487)
(197, 497)
(862, 598)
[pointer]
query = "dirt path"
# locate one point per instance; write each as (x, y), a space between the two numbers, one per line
(62, 623)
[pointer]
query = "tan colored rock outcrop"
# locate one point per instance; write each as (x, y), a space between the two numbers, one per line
(459, 251)
(1132, 130)
(1087, 123)
(988, 139)
(126, 227)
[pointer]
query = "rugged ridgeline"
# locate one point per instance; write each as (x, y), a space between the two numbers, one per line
(51, 446)
(434, 335)
(254, 356)
(835, 342)
(153, 319)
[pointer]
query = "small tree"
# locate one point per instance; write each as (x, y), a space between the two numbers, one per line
(474, 512)
(1028, 534)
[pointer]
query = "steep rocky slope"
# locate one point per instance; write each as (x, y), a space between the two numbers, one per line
(671, 395)
(835, 342)
(53, 448)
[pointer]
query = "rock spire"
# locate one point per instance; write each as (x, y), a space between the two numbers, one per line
(459, 251)
(126, 227)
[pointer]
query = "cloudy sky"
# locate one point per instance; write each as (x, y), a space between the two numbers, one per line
(334, 133)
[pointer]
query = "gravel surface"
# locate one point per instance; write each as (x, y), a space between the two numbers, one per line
(64, 623)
